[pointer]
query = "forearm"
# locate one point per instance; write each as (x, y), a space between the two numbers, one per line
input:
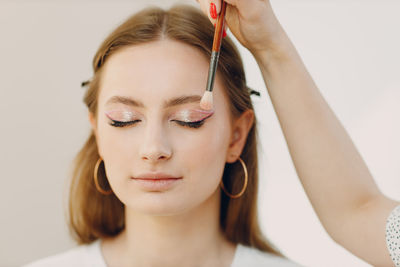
(332, 172)
(327, 163)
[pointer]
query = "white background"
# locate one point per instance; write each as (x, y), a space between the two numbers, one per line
(351, 48)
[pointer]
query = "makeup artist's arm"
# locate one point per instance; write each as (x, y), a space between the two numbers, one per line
(337, 181)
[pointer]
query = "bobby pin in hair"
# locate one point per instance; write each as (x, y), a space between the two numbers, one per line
(84, 83)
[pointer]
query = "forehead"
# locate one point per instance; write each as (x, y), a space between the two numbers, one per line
(157, 71)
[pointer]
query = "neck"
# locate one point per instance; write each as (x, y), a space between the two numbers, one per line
(187, 239)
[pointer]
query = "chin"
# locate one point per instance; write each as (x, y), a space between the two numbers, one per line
(159, 204)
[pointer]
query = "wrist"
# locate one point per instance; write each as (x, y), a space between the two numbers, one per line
(279, 51)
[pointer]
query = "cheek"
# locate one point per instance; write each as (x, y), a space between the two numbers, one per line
(203, 155)
(201, 143)
(110, 141)
(116, 149)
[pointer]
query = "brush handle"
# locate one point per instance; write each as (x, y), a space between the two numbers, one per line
(216, 47)
(212, 70)
(219, 28)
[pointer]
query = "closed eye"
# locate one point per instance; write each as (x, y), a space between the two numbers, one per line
(122, 123)
(196, 124)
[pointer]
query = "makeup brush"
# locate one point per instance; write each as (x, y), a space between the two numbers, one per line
(207, 99)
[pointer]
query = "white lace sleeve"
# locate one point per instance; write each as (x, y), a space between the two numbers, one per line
(393, 235)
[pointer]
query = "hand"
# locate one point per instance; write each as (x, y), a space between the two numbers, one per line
(252, 22)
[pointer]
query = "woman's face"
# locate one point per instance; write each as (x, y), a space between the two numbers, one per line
(158, 140)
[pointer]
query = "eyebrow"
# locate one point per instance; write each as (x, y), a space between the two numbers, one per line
(184, 99)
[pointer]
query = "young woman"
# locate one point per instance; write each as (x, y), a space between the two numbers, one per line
(160, 181)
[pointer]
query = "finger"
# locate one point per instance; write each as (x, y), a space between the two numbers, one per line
(211, 8)
(218, 5)
(202, 5)
(231, 2)
(231, 18)
(212, 11)
(224, 34)
(248, 7)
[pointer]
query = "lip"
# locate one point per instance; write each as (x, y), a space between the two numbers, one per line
(155, 176)
(156, 181)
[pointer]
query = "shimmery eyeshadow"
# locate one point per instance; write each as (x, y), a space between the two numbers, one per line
(192, 115)
(119, 115)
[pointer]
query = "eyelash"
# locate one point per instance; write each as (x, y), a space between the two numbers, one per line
(196, 124)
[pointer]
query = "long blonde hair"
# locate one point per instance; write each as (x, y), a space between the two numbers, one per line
(93, 215)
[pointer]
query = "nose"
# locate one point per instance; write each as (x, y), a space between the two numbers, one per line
(155, 145)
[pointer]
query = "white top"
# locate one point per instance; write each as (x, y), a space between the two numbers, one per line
(393, 235)
(91, 256)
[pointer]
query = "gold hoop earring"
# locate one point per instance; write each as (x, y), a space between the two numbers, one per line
(245, 182)
(96, 182)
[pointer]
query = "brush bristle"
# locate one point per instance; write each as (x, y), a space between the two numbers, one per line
(207, 101)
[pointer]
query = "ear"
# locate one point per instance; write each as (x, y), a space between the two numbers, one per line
(92, 121)
(240, 130)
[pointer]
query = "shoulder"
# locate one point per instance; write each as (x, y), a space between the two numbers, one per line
(249, 256)
(83, 255)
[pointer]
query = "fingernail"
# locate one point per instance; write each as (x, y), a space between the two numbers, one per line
(213, 11)
(224, 34)
(215, 24)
